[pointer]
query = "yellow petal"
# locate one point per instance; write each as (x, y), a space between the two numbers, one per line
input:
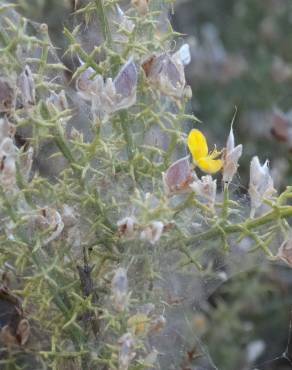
(197, 144)
(138, 323)
(209, 165)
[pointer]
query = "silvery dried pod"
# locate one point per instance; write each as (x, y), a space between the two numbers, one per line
(152, 232)
(88, 83)
(119, 289)
(127, 351)
(230, 159)
(261, 185)
(7, 96)
(166, 72)
(126, 226)
(178, 176)
(26, 86)
(112, 95)
(285, 251)
(125, 84)
(206, 189)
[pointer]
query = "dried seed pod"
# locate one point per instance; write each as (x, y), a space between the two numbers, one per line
(119, 289)
(7, 96)
(27, 87)
(125, 84)
(152, 232)
(166, 72)
(178, 176)
(109, 96)
(89, 84)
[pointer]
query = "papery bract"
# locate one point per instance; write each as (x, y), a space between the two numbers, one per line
(261, 185)
(285, 252)
(27, 87)
(178, 176)
(230, 158)
(166, 72)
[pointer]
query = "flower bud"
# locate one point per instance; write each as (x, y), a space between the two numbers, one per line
(230, 158)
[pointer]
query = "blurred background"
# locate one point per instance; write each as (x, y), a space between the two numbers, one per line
(241, 57)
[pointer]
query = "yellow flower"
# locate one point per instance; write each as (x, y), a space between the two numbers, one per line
(198, 146)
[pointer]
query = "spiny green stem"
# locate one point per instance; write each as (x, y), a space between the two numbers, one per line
(127, 134)
(225, 202)
(101, 15)
(275, 214)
